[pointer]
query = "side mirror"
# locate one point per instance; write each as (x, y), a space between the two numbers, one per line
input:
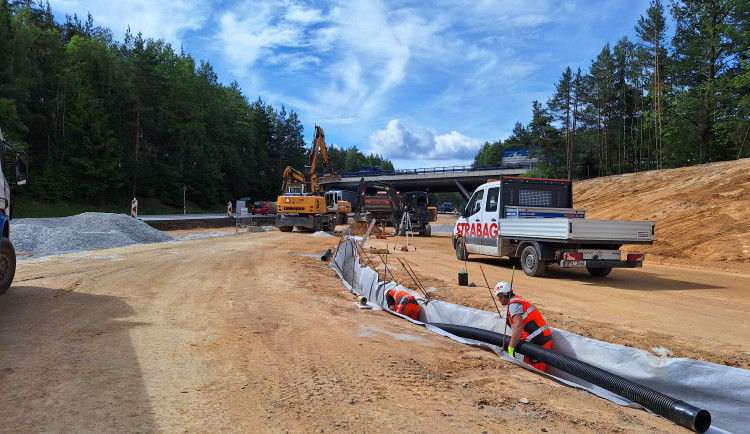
(22, 168)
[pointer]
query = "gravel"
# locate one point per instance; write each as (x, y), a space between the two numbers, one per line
(441, 229)
(35, 237)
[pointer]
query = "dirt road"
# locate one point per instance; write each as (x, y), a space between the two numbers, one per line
(254, 333)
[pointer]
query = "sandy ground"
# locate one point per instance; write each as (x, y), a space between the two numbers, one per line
(252, 332)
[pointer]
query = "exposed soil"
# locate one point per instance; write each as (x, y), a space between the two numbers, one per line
(252, 332)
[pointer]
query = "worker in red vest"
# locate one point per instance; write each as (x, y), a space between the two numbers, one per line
(402, 302)
(526, 323)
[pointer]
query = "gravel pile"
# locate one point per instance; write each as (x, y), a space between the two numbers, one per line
(34, 237)
(441, 229)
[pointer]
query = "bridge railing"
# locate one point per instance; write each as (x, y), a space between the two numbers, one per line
(443, 169)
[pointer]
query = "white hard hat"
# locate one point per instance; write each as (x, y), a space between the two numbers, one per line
(502, 288)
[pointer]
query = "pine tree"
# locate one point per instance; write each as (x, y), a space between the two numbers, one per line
(652, 31)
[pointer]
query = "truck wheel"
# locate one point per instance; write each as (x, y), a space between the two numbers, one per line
(286, 228)
(530, 262)
(599, 272)
(7, 264)
(461, 252)
(427, 231)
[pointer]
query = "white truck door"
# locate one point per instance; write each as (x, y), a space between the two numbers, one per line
(490, 214)
(474, 210)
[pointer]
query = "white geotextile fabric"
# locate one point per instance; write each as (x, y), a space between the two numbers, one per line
(721, 390)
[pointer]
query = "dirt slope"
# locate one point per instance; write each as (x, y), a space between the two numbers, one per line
(702, 213)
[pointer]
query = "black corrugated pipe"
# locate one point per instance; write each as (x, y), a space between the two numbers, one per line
(675, 410)
(326, 254)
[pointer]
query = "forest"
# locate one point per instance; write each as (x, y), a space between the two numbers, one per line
(654, 103)
(105, 121)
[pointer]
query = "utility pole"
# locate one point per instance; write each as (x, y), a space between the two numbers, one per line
(184, 204)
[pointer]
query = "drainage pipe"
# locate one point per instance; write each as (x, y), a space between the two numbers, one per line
(672, 409)
(326, 255)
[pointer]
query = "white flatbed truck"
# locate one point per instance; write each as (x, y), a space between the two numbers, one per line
(532, 220)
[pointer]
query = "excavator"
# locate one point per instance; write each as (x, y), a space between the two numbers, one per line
(303, 202)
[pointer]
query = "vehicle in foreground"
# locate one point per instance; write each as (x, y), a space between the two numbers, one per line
(7, 251)
(532, 220)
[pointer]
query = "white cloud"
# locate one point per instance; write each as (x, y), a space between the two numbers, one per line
(397, 142)
(168, 21)
(352, 65)
(254, 32)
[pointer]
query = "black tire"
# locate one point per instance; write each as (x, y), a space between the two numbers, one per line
(7, 264)
(461, 252)
(599, 272)
(286, 228)
(427, 231)
(530, 262)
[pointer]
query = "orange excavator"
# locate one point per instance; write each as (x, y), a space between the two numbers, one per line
(303, 202)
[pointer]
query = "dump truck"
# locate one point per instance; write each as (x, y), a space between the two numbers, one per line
(21, 174)
(533, 220)
(381, 201)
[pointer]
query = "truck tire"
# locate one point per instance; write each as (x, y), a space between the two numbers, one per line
(427, 230)
(7, 264)
(599, 272)
(461, 252)
(286, 228)
(530, 262)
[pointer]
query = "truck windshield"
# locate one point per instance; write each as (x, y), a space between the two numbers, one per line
(475, 204)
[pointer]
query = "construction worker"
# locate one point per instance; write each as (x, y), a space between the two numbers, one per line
(402, 302)
(525, 321)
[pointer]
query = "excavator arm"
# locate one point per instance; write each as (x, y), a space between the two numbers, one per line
(292, 175)
(319, 145)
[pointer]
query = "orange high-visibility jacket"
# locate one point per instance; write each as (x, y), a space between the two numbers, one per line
(401, 299)
(535, 329)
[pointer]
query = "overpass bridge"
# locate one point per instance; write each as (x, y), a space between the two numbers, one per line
(450, 179)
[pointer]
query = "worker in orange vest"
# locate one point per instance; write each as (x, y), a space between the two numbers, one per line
(526, 323)
(402, 302)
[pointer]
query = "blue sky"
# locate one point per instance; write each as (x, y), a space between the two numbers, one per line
(423, 84)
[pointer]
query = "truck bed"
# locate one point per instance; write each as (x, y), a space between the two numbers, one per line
(578, 230)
